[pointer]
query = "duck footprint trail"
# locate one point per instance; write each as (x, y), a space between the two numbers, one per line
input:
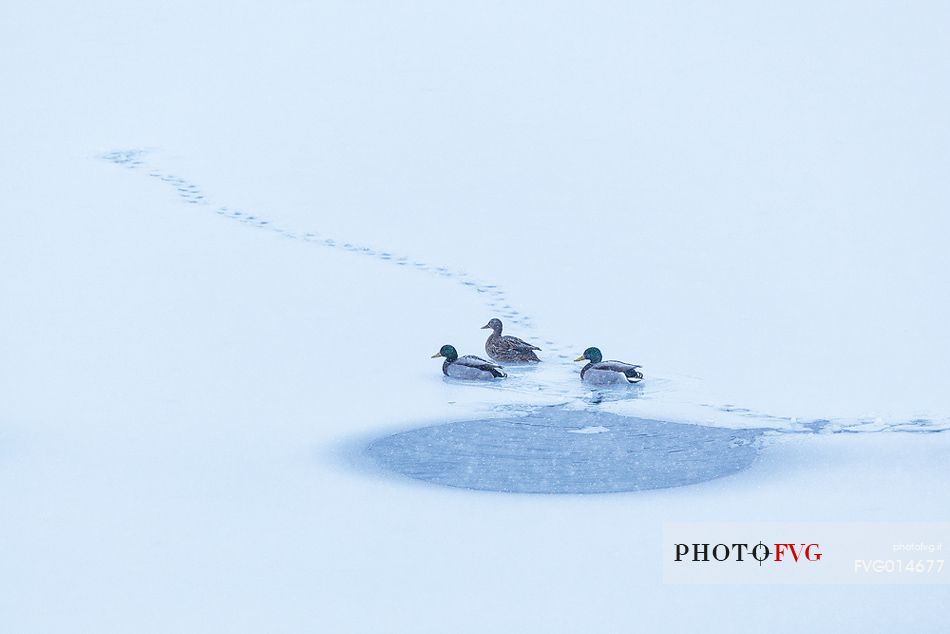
(840, 425)
(494, 297)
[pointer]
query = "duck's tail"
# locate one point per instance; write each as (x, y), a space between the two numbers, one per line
(634, 375)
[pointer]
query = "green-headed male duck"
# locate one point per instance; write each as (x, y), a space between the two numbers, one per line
(467, 367)
(600, 371)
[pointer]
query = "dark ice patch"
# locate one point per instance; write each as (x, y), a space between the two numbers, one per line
(564, 451)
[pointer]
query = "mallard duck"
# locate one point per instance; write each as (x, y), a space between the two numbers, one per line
(600, 371)
(467, 367)
(507, 348)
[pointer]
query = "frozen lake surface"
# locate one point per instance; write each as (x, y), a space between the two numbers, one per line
(556, 450)
(747, 199)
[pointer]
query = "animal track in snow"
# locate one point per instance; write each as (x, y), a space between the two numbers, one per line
(190, 193)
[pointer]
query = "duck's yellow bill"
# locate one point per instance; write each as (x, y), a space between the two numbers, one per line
(580, 358)
(436, 355)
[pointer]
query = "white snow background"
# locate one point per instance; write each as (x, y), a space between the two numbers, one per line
(751, 201)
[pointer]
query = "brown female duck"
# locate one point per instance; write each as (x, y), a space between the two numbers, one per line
(508, 348)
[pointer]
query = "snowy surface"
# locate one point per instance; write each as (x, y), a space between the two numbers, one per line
(750, 202)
